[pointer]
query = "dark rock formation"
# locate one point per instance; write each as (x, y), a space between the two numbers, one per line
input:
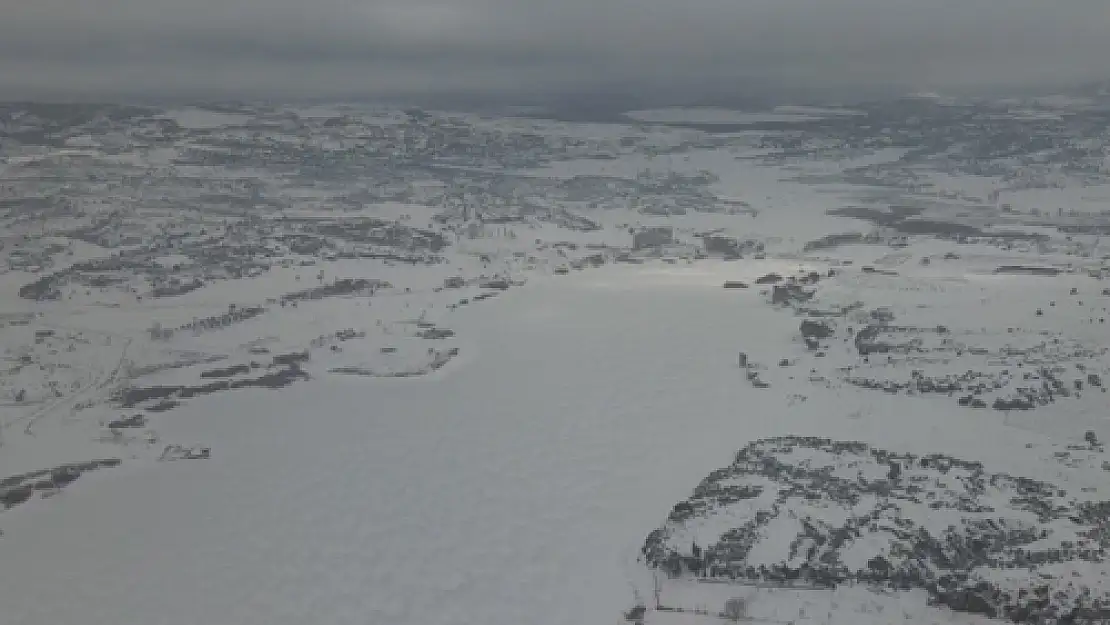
(811, 329)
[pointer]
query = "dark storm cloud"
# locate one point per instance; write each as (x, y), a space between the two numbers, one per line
(513, 47)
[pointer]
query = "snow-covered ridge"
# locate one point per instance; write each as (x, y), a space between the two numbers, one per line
(832, 512)
(713, 115)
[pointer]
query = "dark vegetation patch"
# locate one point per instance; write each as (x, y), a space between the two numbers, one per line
(1001, 522)
(17, 489)
(133, 396)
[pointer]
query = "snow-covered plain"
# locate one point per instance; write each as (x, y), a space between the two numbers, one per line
(489, 394)
(514, 487)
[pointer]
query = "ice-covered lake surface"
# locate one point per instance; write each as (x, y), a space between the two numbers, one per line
(499, 491)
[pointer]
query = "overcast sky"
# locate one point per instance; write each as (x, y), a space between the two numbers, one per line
(513, 48)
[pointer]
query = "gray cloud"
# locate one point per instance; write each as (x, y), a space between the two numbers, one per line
(512, 48)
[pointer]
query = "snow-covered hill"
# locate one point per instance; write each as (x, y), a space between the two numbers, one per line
(825, 512)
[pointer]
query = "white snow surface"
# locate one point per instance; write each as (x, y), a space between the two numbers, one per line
(513, 475)
(513, 488)
(496, 492)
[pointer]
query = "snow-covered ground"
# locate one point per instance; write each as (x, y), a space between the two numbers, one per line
(466, 393)
(514, 487)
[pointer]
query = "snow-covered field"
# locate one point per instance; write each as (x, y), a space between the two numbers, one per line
(512, 488)
(409, 382)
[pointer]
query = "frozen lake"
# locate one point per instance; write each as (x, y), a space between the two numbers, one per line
(515, 487)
